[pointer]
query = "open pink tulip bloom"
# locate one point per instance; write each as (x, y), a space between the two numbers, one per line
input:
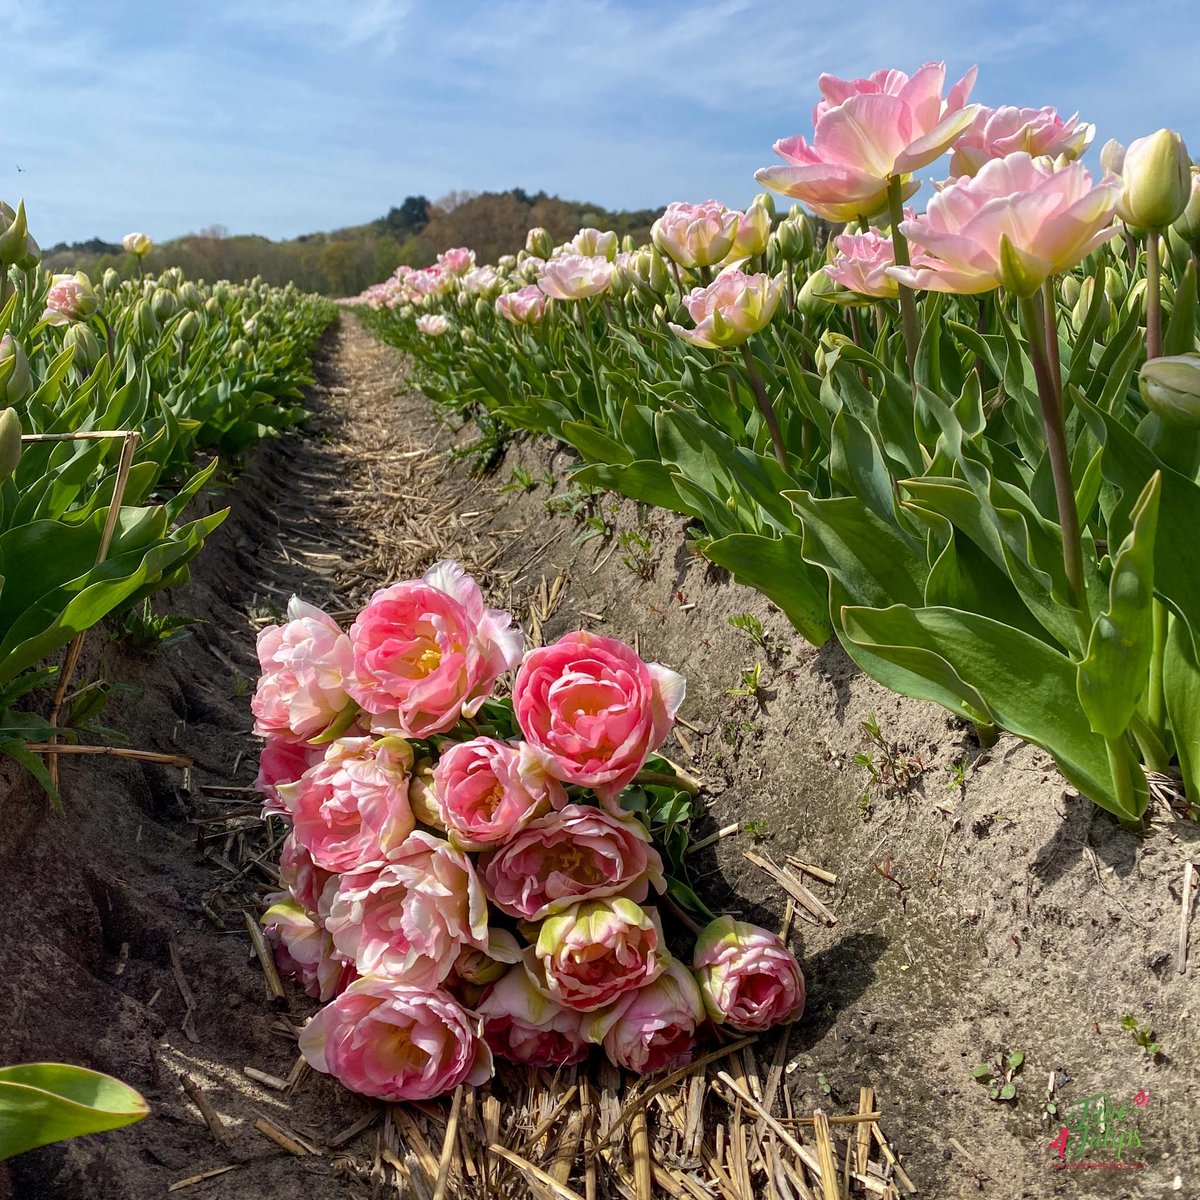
(997, 132)
(867, 130)
(1013, 225)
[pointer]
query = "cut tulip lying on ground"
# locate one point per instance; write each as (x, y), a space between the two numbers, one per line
(926, 438)
(485, 883)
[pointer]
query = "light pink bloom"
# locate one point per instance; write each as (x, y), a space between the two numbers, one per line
(1013, 225)
(305, 952)
(486, 790)
(70, 298)
(427, 652)
(732, 308)
(749, 979)
(580, 853)
(308, 884)
(867, 130)
(524, 1026)
(412, 917)
(654, 1028)
(753, 233)
(696, 235)
(431, 281)
(592, 242)
(576, 276)
(304, 667)
(457, 261)
(590, 955)
(594, 709)
(524, 307)
(351, 810)
(433, 324)
(997, 132)
(283, 761)
(380, 1038)
(861, 265)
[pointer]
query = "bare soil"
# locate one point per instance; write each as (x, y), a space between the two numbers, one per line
(981, 906)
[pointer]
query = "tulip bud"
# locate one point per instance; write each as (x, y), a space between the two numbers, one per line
(250, 326)
(539, 243)
(830, 343)
(1083, 303)
(1070, 289)
(14, 235)
(88, 351)
(221, 293)
(1114, 286)
(16, 382)
(189, 295)
(240, 348)
(10, 443)
(1157, 177)
(1188, 224)
(482, 309)
(1171, 389)
(767, 201)
(146, 320)
(795, 236)
(629, 243)
(813, 298)
(658, 277)
(188, 328)
(211, 307)
(164, 304)
(110, 281)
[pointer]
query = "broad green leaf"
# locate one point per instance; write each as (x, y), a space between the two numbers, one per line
(1181, 687)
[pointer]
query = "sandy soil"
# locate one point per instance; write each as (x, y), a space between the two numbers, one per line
(981, 907)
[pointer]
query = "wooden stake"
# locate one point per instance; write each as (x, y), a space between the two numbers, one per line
(211, 1118)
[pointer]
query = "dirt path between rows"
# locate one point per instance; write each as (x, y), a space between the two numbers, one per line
(980, 907)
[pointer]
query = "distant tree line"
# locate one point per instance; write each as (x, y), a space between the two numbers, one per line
(344, 261)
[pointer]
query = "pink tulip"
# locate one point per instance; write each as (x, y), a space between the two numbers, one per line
(523, 1026)
(997, 132)
(866, 131)
(412, 917)
(592, 954)
(486, 790)
(380, 1038)
(351, 810)
(312, 887)
(305, 664)
(753, 233)
(749, 979)
(654, 1028)
(580, 853)
(70, 298)
(861, 265)
(427, 652)
(282, 761)
(457, 261)
(304, 951)
(1013, 225)
(732, 308)
(576, 277)
(592, 242)
(433, 324)
(524, 307)
(594, 709)
(696, 235)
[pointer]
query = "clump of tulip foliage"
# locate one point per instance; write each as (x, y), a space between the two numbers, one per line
(963, 441)
(469, 876)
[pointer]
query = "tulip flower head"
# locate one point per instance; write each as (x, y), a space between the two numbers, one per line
(696, 235)
(1156, 177)
(457, 261)
(1013, 225)
(861, 268)
(997, 132)
(70, 298)
(138, 244)
(592, 242)
(734, 307)
(433, 324)
(753, 232)
(749, 979)
(1170, 387)
(576, 276)
(866, 132)
(524, 307)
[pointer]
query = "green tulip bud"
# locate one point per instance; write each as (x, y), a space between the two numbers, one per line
(146, 320)
(826, 347)
(1115, 287)
(483, 310)
(468, 335)
(211, 307)
(189, 295)
(250, 326)
(14, 235)
(87, 347)
(767, 201)
(10, 443)
(1157, 177)
(1070, 289)
(629, 243)
(16, 382)
(813, 299)
(539, 243)
(164, 304)
(1083, 303)
(1171, 389)
(240, 348)
(795, 236)
(110, 281)
(188, 328)
(1188, 224)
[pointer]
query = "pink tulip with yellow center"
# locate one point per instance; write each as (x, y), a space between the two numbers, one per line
(866, 132)
(576, 277)
(997, 132)
(523, 1026)
(457, 261)
(1013, 225)
(731, 309)
(524, 307)
(753, 233)
(381, 1038)
(696, 235)
(594, 242)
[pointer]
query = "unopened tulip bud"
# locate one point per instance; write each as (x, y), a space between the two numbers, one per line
(482, 308)
(10, 443)
(164, 304)
(1157, 177)
(659, 278)
(538, 242)
(795, 238)
(629, 243)
(240, 348)
(221, 294)
(146, 320)
(86, 345)
(1070, 289)
(1083, 304)
(1188, 224)
(190, 295)
(813, 299)
(110, 281)
(829, 344)
(1171, 389)
(767, 201)
(14, 235)
(188, 328)
(211, 307)
(16, 382)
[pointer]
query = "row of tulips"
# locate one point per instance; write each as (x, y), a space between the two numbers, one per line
(964, 441)
(468, 876)
(108, 392)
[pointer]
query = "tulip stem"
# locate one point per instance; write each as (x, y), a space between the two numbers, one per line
(908, 301)
(1153, 296)
(765, 407)
(1050, 313)
(1050, 395)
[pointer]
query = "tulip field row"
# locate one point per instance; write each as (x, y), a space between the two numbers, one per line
(108, 393)
(963, 441)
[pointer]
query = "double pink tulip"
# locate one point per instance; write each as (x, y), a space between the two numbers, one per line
(524, 1026)
(576, 276)
(861, 265)
(1013, 225)
(997, 132)
(433, 324)
(696, 235)
(304, 951)
(866, 132)
(456, 261)
(524, 307)
(749, 979)
(732, 308)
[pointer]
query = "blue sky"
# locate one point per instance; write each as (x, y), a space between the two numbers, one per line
(282, 117)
